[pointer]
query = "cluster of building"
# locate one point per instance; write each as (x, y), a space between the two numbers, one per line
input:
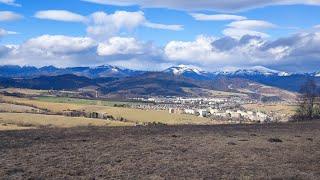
(241, 115)
(221, 108)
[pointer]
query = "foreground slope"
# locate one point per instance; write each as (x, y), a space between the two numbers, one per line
(279, 151)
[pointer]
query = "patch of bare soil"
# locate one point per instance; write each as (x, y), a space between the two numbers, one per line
(279, 151)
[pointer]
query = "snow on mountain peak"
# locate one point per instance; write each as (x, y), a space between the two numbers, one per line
(181, 69)
(257, 70)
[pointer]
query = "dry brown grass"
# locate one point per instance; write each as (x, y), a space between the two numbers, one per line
(24, 91)
(129, 114)
(11, 127)
(54, 107)
(16, 108)
(271, 151)
(138, 115)
(40, 120)
(284, 109)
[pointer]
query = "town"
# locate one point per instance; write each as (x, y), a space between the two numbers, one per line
(228, 109)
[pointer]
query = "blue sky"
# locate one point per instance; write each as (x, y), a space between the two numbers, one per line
(153, 35)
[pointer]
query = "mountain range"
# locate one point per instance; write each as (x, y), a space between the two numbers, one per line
(174, 81)
(14, 71)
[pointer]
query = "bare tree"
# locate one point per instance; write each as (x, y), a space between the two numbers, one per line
(308, 101)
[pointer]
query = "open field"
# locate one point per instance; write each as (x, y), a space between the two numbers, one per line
(24, 91)
(284, 109)
(11, 127)
(81, 101)
(5, 107)
(273, 151)
(212, 93)
(129, 114)
(40, 120)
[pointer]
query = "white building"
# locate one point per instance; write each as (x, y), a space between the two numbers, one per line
(189, 111)
(203, 112)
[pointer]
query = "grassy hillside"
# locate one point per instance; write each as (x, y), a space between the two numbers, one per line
(128, 114)
(40, 120)
(270, 151)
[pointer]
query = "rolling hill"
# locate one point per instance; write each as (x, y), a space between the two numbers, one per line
(117, 82)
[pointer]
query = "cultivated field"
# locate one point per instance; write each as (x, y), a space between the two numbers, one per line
(284, 111)
(40, 120)
(11, 127)
(16, 108)
(81, 101)
(24, 91)
(128, 114)
(271, 151)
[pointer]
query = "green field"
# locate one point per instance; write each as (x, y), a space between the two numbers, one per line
(81, 101)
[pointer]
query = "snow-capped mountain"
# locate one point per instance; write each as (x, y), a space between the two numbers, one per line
(181, 69)
(191, 75)
(186, 71)
(91, 72)
(317, 74)
(254, 71)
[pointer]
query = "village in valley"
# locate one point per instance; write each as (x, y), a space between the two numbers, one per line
(229, 109)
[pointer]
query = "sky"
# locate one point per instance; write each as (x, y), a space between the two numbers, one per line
(153, 35)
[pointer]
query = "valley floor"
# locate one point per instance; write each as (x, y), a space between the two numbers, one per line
(285, 151)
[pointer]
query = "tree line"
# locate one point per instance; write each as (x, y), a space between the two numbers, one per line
(308, 102)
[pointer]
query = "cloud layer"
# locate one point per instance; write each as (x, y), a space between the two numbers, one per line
(9, 16)
(299, 52)
(214, 5)
(4, 32)
(101, 25)
(216, 17)
(10, 2)
(60, 15)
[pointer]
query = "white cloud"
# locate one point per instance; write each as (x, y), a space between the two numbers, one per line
(239, 33)
(317, 26)
(59, 44)
(122, 46)
(10, 2)
(101, 25)
(199, 50)
(63, 51)
(251, 25)
(55, 50)
(299, 52)
(4, 32)
(60, 15)
(164, 26)
(237, 29)
(131, 53)
(216, 17)
(214, 5)
(9, 16)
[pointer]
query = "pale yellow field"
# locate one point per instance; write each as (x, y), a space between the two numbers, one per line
(24, 91)
(131, 115)
(54, 107)
(284, 109)
(11, 127)
(212, 93)
(37, 120)
(138, 115)
(16, 108)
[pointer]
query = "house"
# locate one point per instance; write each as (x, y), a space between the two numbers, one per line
(189, 111)
(203, 112)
